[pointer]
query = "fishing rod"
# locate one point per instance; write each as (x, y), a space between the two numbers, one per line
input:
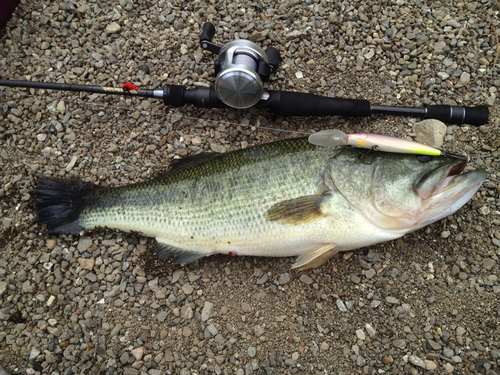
(241, 68)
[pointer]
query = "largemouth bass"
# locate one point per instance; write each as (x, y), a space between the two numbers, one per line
(286, 198)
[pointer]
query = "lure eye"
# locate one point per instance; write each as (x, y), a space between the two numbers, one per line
(423, 158)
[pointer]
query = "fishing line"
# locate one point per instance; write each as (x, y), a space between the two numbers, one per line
(151, 113)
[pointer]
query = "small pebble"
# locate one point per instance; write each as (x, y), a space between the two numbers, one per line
(341, 305)
(137, 353)
(252, 351)
(306, 279)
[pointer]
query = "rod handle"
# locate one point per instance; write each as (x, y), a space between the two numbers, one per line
(289, 103)
(459, 115)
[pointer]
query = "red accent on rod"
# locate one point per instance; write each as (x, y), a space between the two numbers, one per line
(128, 86)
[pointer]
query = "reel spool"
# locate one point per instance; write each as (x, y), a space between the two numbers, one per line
(241, 68)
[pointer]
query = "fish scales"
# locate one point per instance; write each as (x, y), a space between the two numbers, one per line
(207, 206)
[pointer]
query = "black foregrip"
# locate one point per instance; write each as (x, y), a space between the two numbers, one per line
(459, 115)
(174, 95)
(177, 96)
(289, 103)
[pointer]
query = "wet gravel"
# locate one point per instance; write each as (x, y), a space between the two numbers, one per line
(101, 303)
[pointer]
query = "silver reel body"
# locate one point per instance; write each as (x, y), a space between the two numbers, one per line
(241, 68)
(238, 84)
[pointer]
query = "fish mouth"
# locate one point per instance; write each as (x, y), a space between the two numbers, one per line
(433, 181)
(445, 189)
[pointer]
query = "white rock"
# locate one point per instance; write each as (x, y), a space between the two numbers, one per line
(464, 78)
(430, 132)
(369, 54)
(370, 330)
(35, 352)
(137, 353)
(3, 287)
(61, 107)
(443, 75)
(430, 365)
(113, 28)
(217, 148)
(360, 334)
(206, 311)
(417, 361)
(341, 305)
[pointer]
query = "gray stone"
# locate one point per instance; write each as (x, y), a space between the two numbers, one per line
(489, 264)
(370, 273)
(259, 330)
(187, 289)
(399, 343)
(434, 345)
(284, 278)
(306, 279)
(170, 18)
(84, 244)
(246, 307)
(162, 316)
(206, 311)
(439, 47)
(3, 287)
(251, 351)
(124, 358)
(392, 300)
(447, 352)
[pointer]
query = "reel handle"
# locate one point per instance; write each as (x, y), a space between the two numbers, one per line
(274, 58)
(206, 36)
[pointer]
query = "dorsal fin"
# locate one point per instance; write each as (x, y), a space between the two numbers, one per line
(178, 165)
(188, 162)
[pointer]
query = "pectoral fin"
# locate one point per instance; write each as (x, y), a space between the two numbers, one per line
(183, 256)
(302, 210)
(315, 257)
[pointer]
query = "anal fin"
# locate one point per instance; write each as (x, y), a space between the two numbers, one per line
(301, 210)
(315, 257)
(183, 256)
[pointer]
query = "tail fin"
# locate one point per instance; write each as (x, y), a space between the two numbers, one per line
(59, 203)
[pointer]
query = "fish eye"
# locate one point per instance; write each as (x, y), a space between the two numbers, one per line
(423, 158)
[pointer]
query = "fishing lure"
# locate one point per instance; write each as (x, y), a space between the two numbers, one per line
(385, 143)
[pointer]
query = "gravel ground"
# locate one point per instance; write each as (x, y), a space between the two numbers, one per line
(101, 303)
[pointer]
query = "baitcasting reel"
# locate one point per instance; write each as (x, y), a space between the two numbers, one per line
(241, 68)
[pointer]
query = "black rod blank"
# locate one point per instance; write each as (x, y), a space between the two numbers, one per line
(76, 88)
(282, 103)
